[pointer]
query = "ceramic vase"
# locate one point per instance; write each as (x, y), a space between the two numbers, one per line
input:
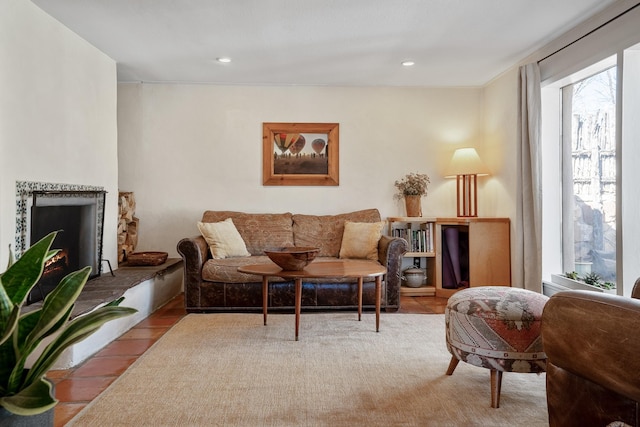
(413, 205)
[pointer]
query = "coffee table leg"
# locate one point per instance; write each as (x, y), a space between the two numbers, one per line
(360, 280)
(265, 297)
(378, 295)
(298, 304)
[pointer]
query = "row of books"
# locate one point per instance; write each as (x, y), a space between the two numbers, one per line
(419, 239)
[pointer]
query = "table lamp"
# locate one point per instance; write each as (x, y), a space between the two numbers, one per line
(466, 166)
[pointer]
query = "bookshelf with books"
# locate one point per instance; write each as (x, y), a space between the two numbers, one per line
(455, 252)
(419, 232)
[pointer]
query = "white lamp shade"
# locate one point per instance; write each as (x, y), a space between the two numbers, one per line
(465, 161)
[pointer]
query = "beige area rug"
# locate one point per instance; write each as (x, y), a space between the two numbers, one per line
(230, 370)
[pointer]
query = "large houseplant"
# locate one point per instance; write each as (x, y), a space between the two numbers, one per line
(26, 391)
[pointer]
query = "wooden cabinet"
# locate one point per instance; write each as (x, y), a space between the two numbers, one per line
(420, 235)
(483, 251)
(479, 246)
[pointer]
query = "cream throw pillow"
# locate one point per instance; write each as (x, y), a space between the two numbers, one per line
(223, 239)
(360, 240)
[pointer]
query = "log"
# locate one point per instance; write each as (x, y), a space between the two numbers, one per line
(127, 225)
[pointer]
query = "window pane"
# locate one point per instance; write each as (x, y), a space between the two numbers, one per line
(593, 172)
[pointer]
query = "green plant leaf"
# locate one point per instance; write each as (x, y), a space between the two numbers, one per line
(17, 356)
(26, 323)
(29, 321)
(9, 354)
(56, 305)
(33, 400)
(77, 330)
(26, 271)
(9, 324)
(11, 257)
(8, 318)
(7, 363)
(27, 392)
(54, 312)
(115, 302)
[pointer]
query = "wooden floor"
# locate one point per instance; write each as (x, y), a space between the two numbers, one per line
(76, 387)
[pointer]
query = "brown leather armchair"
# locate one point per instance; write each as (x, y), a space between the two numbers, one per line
(592, 342)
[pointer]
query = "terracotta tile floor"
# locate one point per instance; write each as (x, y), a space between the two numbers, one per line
(76, 387)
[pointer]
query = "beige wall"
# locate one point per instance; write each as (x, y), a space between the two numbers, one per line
(57, 113)
(187, 148)
(500, 113)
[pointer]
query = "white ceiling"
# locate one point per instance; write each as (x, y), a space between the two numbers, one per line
(319, 42)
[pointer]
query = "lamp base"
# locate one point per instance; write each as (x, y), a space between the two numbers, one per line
(467, 195)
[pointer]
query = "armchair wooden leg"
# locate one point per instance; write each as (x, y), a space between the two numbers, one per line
(452, 365)
(496, 384)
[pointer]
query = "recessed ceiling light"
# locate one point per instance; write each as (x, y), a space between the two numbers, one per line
(223, 59)
(408, 63)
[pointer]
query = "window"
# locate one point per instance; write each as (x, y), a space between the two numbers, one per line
(589, 175)
(590, 155)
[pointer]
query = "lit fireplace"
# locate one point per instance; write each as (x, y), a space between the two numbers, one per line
(78, 220)
(57, 265)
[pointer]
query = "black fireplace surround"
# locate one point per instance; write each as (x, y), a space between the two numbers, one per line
(79, 220)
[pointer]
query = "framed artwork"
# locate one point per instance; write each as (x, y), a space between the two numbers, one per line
(300, 154)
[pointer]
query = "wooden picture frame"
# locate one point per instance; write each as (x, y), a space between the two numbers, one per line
(300, 154)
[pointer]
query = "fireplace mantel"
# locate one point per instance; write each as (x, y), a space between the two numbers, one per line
(24, 194)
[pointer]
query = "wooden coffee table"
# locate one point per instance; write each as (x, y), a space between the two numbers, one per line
(330, 269)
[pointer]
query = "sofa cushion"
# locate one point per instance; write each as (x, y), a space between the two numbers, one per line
(226, 270)
(259, 231)
(325, 231)
(360, 240)
(223, 239)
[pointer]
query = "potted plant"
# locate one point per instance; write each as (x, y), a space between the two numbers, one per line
(589, 282)
(412, 188)
(24, 391)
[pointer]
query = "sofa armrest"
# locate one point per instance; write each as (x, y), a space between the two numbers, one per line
(592, 342)
(194, 252)
(390, 253)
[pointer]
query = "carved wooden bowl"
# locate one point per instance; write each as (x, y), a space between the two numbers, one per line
(147, 258)
(292, 257)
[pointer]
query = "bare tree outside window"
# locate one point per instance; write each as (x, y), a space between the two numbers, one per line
(591, 106)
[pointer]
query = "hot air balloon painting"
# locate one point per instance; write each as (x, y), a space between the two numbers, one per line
(290, 160)
(297, 146)
(318, 145)
(284, 141)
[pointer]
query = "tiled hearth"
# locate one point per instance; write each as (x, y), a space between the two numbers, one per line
(145, 288)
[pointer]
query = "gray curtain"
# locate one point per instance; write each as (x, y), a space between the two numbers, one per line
(528, 237)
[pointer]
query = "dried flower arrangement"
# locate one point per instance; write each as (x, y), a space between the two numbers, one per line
(413, 184)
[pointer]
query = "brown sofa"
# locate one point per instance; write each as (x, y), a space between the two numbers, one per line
(592, 342)
(215, 285)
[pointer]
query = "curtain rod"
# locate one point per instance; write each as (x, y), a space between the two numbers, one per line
(590, 32)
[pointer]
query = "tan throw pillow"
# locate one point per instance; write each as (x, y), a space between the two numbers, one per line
(223, 239)
(360, 240)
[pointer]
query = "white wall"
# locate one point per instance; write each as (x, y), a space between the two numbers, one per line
(57, 113)
(187, 148)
